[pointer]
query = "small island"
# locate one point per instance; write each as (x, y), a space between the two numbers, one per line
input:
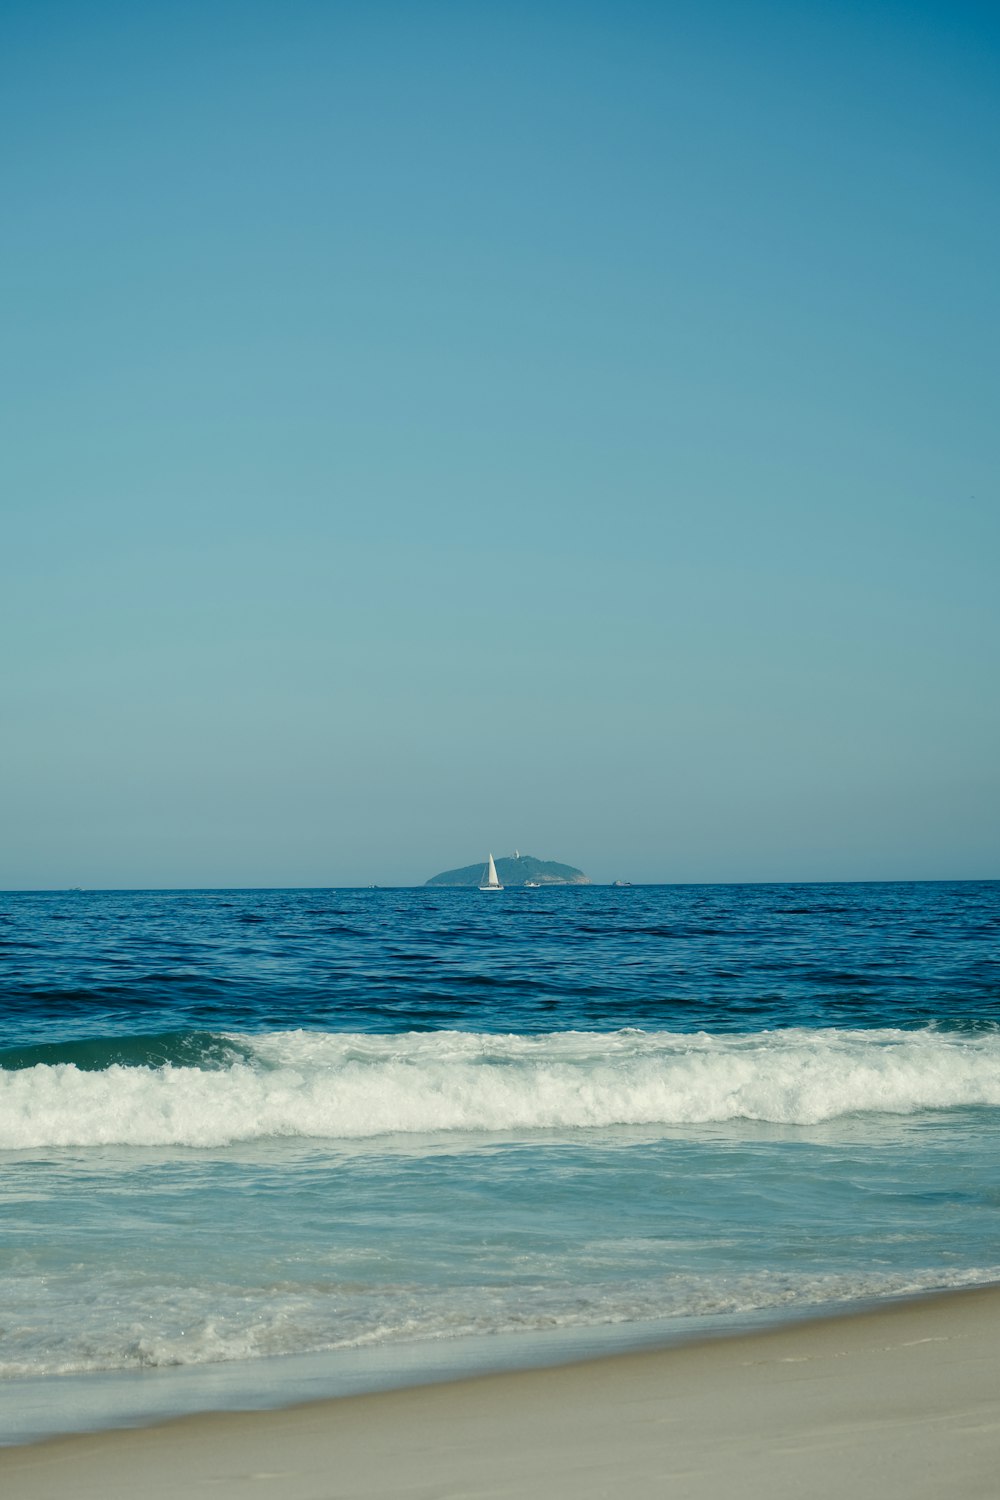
(514, 869)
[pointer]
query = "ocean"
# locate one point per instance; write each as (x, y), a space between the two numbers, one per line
(257, 1145)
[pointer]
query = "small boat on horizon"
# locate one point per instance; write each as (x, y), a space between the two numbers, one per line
(490, 880)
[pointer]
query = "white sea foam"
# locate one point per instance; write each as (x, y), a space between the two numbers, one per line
(112, 1324)
(351, 1086)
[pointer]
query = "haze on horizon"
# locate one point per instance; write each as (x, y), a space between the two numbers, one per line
(435, 428)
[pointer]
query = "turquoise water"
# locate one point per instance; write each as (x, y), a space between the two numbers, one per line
(391, 1132)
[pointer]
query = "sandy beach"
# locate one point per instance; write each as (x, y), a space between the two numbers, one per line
(900, 1401)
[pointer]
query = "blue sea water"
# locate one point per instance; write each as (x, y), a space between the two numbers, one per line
(256, 1144)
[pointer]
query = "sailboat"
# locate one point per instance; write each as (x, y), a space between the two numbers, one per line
(489, 881)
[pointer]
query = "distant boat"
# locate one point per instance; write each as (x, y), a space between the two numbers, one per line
(490, 881)
(621, 882)
(532, 885)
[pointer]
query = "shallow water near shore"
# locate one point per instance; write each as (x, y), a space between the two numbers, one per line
(393, 1132)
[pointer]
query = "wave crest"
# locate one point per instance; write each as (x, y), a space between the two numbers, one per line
(352, 1086)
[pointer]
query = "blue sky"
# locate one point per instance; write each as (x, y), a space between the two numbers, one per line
(441, 427)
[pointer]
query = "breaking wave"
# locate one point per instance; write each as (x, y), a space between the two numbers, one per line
(214, 1090)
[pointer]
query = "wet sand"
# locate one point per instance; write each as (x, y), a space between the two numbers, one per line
(903, 1401)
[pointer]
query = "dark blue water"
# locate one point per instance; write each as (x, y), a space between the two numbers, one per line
(77, 965)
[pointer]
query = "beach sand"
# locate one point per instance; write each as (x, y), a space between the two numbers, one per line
(903, 1401)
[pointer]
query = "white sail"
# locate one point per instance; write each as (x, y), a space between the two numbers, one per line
(490, 881)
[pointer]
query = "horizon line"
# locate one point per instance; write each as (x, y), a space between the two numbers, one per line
(55, 890)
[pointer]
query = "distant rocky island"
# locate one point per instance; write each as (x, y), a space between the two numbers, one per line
(514, 869)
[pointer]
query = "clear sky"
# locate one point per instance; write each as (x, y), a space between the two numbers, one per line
(439, 427)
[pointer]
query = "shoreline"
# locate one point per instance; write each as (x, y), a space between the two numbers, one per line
(897, 1399)
(40, 1408)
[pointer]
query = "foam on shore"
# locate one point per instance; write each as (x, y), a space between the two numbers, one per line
(892, 1403)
